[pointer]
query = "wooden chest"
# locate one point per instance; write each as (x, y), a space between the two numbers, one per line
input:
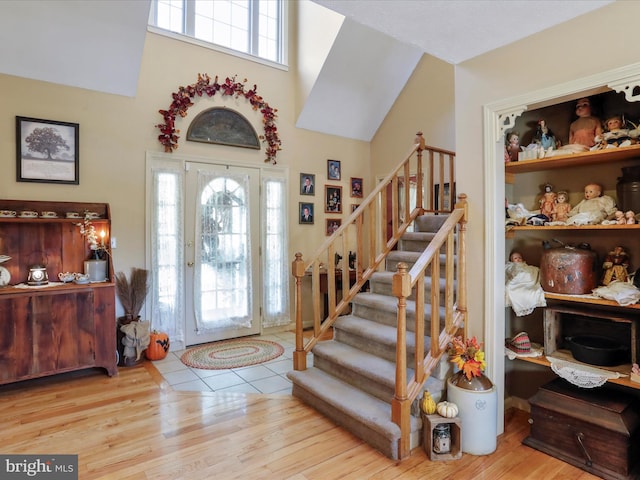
(597, 430)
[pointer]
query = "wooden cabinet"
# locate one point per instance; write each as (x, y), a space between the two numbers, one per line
(57, 327)
(524, 180)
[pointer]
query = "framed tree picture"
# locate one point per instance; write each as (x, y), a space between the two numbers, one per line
(47, 151)
(332, 199)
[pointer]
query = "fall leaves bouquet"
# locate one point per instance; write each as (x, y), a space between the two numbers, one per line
(467, 355)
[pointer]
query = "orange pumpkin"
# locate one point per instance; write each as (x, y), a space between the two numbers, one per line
(158, 345)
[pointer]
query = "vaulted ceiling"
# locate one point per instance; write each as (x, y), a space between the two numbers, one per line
(98, 45)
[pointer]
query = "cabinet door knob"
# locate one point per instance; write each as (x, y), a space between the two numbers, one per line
(189, 264)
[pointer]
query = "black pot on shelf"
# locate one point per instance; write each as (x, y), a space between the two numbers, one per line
(596, 350)
(628, 189)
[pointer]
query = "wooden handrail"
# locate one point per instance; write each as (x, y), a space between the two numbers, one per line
(366, 231)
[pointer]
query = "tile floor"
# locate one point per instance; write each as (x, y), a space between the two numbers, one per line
(268, 377)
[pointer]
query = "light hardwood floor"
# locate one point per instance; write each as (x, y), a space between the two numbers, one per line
(134, 426)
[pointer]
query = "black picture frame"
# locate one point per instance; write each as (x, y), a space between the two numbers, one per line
(332, 199)
(356, 187)
(36, 139)
(302, 219)
(334, 171)
(447, 195)
(310, 188)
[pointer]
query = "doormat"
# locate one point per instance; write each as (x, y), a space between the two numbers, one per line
(231, 354)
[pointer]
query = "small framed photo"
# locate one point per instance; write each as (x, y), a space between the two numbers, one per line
(332, 199)
(356, 187)
(354, 206)
(332, 224)
(306, 213)
(333, 170)
(307, 184)
(47, 151)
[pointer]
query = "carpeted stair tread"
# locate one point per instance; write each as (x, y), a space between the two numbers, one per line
(430, 223)
(409, 257)
(389, 304)
(362, 414)
(386, 277)
(351, 359)
(376, 332)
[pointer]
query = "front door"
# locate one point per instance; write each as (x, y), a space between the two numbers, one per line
(222, 243)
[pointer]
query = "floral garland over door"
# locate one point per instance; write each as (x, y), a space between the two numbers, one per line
(182, 102)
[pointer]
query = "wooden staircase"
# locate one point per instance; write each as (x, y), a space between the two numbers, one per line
(382, 354)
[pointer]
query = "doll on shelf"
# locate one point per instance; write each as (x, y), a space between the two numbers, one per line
(512, 146)
(586, 127)
(523, 291)
(630, 218)
(593, 209)
(615, 266)
(615, 135)
(544, 136)
(562, 207)
(548, 201)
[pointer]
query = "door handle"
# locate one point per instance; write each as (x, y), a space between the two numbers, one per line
(189, 264)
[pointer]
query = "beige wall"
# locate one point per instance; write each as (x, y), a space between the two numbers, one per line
(426, 104)
(116, 132)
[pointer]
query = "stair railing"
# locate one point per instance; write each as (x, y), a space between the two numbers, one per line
(372, 230)
(455, 314)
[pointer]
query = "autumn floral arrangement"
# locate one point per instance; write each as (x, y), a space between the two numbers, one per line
(467, 355)
(182, 101)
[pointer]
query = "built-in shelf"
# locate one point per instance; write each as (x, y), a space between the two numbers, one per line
(588, 299)
(573, 160)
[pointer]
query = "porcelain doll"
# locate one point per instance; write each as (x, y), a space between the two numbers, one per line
(630, 218)
(593, 209)
(615, 135)
(615, 266)
(513, 146)
(523, 291)
(548, 201)
(586, 127)
(562, 207)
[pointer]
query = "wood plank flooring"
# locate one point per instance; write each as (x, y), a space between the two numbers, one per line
(134, 426)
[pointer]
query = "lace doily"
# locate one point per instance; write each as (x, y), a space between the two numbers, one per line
(581, 375)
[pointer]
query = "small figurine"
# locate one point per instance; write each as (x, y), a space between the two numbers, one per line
(562, 207)
(630, 217)
(620, 217)
(513, 146)
(548, 201)
(586, 127)
(544, 136)
(593, 209)
(615, 266)
(516, 257)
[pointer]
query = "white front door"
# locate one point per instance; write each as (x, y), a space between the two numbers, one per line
(222, 225)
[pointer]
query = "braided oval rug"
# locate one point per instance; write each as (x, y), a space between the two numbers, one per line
(231, 354)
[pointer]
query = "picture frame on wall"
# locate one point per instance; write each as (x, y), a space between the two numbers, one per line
(305, 214)
(332, 199)
(354, 206)
(307, 184)
(334, 171)
(356, 187)
(331, 225)
(447, 195)
(47, 151)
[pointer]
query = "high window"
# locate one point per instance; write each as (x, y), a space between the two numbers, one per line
(253, 27)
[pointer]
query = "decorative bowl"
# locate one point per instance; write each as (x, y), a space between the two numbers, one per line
(66, 277)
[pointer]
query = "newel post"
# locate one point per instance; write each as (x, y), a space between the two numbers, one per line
(400, 405)
(299, 356)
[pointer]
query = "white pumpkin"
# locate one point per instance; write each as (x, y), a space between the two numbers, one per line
(447, 409)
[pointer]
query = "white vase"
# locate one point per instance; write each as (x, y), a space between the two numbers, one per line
(96, 269)
(478, 411)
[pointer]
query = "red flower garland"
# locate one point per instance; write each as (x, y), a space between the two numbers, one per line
(182, 102)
